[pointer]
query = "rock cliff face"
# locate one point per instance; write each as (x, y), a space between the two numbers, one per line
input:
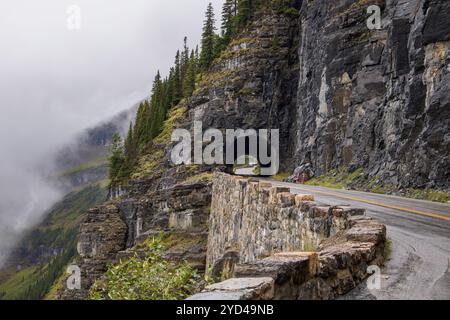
(376, 99)
(342, 95)
(253, 85)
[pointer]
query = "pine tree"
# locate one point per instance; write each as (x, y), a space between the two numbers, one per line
(208, 37)
(229, 12)
(184, 61)
(155, 105)
(244, 12)
(141, 127)
(197, 56)
(170, 89)
(116, 159)
(130, 150)
(129, 142)
(189, 83)
(178, 86)
(138, 126)
(219, 45)
(159, 105)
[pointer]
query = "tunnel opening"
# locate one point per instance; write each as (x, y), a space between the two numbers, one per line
(249, 155)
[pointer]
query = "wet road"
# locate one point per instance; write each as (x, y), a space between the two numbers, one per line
(419, 267)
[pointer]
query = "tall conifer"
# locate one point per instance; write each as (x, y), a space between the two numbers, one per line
(244, 12)
(228, 20)
(189, 83)
(208, 37)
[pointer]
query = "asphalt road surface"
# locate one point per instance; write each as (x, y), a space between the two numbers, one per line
(419, 267)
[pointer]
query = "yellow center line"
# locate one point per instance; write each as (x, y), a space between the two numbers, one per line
(419, 212)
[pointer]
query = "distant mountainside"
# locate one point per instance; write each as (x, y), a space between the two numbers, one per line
(84, 160)
(40, 257)
(93, 142)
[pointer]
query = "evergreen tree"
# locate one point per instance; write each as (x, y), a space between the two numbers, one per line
(208, 39)
(185, 51)
(219, 45)
(116, 159)
(155, 105)
(184, 61)
(170, 89)
(189, 83)
(229, 12)
(178, 86)
(130, 150)
(129, 141)
(244, 12)
(159, 105)
(197, 56)
(141, 127)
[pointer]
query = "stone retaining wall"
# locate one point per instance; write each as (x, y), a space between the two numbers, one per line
(258, 235)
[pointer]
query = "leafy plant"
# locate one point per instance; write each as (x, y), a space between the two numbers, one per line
(150, 277)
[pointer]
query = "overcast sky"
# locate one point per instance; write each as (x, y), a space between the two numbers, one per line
(55, 82)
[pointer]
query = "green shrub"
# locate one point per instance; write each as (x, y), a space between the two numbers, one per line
(428, 194)
(146, 278)
(291, 12)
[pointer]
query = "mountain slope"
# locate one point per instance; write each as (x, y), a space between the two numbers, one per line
(44, 251)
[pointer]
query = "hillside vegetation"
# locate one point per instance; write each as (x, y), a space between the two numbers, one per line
(46, 249)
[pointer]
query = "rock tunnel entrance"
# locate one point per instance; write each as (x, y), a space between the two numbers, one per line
(252, 153)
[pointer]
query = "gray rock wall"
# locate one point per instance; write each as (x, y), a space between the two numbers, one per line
(250, 220)
(376, 99)
(253, 85)
(343, 96)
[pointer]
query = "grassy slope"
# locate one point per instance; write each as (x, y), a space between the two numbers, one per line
(359, 180)
(95, 163)
(58, 231)
(17, 282)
